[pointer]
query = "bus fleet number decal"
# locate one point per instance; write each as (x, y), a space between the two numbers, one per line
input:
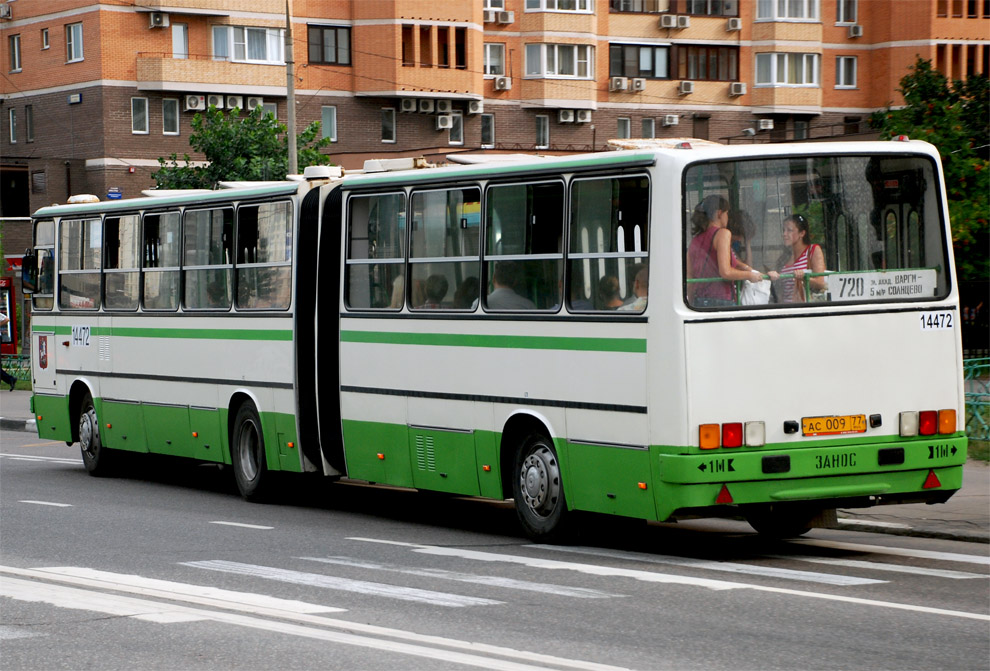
(931, 321)
(80, 336)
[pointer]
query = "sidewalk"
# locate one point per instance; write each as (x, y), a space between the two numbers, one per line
(966, 516)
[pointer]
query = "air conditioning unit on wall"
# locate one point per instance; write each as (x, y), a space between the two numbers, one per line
(489, 16)
(503, 83)
(506, 17)
(683, 21)
(475, 107)
(158, 20)
(639, 84)
(254, 101)
(565, 116)
(445, 122)
(235, 101)
(766, 124)
(737, 89)
(407, 105)
(444, 107)
(195, 103)
(733, 25)
(668, 21)
(671, 120)
(856, 30)
(583, 116)
(618, 84)
(685, 88)
(426, 106)
(215, 100)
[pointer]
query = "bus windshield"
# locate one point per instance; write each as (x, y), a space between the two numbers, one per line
(820, 229)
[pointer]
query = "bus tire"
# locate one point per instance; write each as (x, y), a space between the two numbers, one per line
(777, 522)
(537, 488)
(96, 457)
(247, 455)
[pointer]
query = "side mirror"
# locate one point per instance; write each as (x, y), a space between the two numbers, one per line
(29, 272)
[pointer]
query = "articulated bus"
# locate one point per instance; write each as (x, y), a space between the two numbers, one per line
(527, 328)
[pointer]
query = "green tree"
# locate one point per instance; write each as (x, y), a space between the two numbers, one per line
(955, 117)
(253, 147)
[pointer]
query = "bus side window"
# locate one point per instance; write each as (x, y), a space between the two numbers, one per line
(161, 261)
(79, 268)
(206, 258)
(264, 256)
(444, 246)
(122, 262)
(375, 262)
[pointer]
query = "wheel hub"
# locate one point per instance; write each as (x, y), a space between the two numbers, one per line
(540, 481)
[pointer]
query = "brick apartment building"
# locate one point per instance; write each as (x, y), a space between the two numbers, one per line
(91, 94)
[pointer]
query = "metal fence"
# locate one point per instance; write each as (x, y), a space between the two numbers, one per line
(18, 365)
(977, 388)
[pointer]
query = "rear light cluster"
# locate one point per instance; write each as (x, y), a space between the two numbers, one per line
(928, 422)
(732, 434)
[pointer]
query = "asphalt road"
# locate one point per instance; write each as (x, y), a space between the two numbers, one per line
(166, 568)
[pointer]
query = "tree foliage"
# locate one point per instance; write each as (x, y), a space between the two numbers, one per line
(253, 147)
(955, 117)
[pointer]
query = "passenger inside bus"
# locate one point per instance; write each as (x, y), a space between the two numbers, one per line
(641, 288)
(801, 256)
(466, 296)
(504, 282)
(436, 291)
(710, 255)
(608, 293)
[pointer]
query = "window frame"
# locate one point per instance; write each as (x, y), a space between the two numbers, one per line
(401, 259)
(87, 233)
(628, 6)
(134, 221)
(648, 127)
(29, 123)
(45, 40)
(180, 41)
(14, 53)
(186, 267)
(321, 44)
(273, 36)
(323, 122)
(455, 136)
(12, 125)
(620, 48)
(173, 102)
(775, 69)
(623, 128)
(840, 72)
(388, 116)
(542, 128)
(244, 266)
(551, 52)
(153, 256)
(488, 119)
(580, 6)
(74, 42)
(147, 117)
(811, 11)
(489, 70)
(844, 7)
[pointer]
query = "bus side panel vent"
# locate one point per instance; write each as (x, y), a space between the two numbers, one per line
(777, 464)
(426, 458)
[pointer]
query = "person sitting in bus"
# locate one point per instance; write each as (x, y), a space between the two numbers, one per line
(504, 296)
(641, 288)
(802, 256)
(436, 290)
(608, 293)
(710, 256)
(466, 296)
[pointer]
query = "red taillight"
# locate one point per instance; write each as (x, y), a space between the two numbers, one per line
(732, 434)
(927, 422)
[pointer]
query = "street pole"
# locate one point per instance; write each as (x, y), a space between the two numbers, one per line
(290, 93)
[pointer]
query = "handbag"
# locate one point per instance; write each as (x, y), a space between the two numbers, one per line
(755, 293)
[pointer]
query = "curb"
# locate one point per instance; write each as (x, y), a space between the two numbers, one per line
(8, 424)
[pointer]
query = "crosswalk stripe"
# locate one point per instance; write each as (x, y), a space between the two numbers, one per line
(343, 584)
(48, 503)
(728, 567)
(878, 566)
(36, 457)
(244, 604)
(650, 576)
(983, 560)
(433, 648)
(486, 580)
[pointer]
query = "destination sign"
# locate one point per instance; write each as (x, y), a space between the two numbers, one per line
(881, 284)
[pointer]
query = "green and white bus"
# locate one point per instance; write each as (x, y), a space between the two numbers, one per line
(526, 328)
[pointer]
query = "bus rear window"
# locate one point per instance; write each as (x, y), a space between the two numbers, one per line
(824, 229)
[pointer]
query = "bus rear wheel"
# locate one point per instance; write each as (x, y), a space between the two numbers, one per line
(781, 522)
(538, 490)
(247, 454)
(96, 458)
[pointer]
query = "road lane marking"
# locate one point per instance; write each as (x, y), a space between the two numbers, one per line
(878, 566)
(202, 595)
(343, 584)
(728, 567)
(38, 457)
(649, 576)
(48, 503)
(486, 580)
(982, 560)
(869, 523)
(240, 524)
(469, 652)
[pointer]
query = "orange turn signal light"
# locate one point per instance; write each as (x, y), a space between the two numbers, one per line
(486, 468)
(946, 421)
(195, 434)
(381, 455)
(291, 445)
(709, 436)
(642, 485)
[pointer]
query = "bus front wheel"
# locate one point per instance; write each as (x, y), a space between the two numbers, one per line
(247, 455)
(537, 488)
(95, 456)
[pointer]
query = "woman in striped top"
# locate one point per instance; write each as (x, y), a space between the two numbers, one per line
(805, 256)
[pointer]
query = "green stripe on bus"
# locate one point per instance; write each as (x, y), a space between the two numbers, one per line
(633, 345)
(189, 334)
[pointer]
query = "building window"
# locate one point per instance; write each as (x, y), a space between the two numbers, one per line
(784, 10)
(270, 108)
(639, 6)
(494, 59)
(559, 60)
(180, 40)
(846, 11)
(712, 7)
(12, 125)
(845, 72)
(330, 45)
(73, 42)
(456, 134)
(14, 42)
(800, 129)
(388, 124)
(649, 128)
(622, 131)
(29, 123)
(250, 45)
(494, 4)
(488, 131)
(328, 124)
(787, 69)
(170, 116)
(632, 60)
(711, 63)
(44, 39)
(139, 116)
(558, 5)
(542, 131)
